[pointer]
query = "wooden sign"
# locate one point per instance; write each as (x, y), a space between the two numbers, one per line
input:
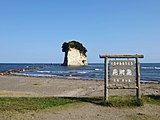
(122, 71)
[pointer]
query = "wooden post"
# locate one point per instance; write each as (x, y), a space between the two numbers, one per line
(138, 90)
(106, 79)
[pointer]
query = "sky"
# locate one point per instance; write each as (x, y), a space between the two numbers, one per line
(33, 31)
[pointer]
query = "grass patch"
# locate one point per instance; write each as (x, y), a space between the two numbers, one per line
(25, 104)
(152, 99)
(124, 101)
(132, 101)
(33, 104)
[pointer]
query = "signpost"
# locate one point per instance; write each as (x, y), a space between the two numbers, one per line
(122, 73)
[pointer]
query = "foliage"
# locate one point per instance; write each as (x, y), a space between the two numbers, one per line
(36, 104)
(65, 47)
(74, 44)
(129, 101)
(32, 104)
(152, 99)
(124, 101)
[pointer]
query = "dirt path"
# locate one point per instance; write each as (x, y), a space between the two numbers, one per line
(89, 112)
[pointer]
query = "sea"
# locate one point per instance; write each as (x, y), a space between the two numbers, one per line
(150, 72)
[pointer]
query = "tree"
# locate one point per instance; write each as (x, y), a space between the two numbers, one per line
(74, 44)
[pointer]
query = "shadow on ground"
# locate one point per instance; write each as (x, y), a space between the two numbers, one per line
(151, 99)
(155, 97)
(93, 100)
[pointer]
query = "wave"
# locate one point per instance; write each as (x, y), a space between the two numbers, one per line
(44, 71)
(47, 76)
(98, 69)
(35, 75)
(71, 77)
(82, 72)
(76, 71)
(147, 67)
(156, 68)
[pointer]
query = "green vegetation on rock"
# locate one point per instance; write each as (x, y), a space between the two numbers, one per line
(74, 44)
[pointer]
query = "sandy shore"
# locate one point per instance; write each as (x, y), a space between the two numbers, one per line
(19, 86)
(16, 86)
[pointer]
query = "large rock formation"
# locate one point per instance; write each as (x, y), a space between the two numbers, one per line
(75, 54)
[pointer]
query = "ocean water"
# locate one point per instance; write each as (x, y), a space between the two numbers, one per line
(94, 71)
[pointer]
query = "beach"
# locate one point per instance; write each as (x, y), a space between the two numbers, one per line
(20, 86)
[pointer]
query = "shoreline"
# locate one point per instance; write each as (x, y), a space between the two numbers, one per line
(24, 72)
(20, 86)
(78, 78)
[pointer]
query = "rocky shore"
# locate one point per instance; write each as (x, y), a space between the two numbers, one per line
(20, 70)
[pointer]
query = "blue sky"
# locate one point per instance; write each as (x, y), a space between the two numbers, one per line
(34, 30)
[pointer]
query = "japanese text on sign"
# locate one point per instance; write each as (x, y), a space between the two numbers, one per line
(122, 71)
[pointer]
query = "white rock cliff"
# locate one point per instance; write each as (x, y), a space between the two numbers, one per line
(74, 56)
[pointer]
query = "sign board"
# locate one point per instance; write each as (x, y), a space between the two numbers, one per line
(122, 71)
